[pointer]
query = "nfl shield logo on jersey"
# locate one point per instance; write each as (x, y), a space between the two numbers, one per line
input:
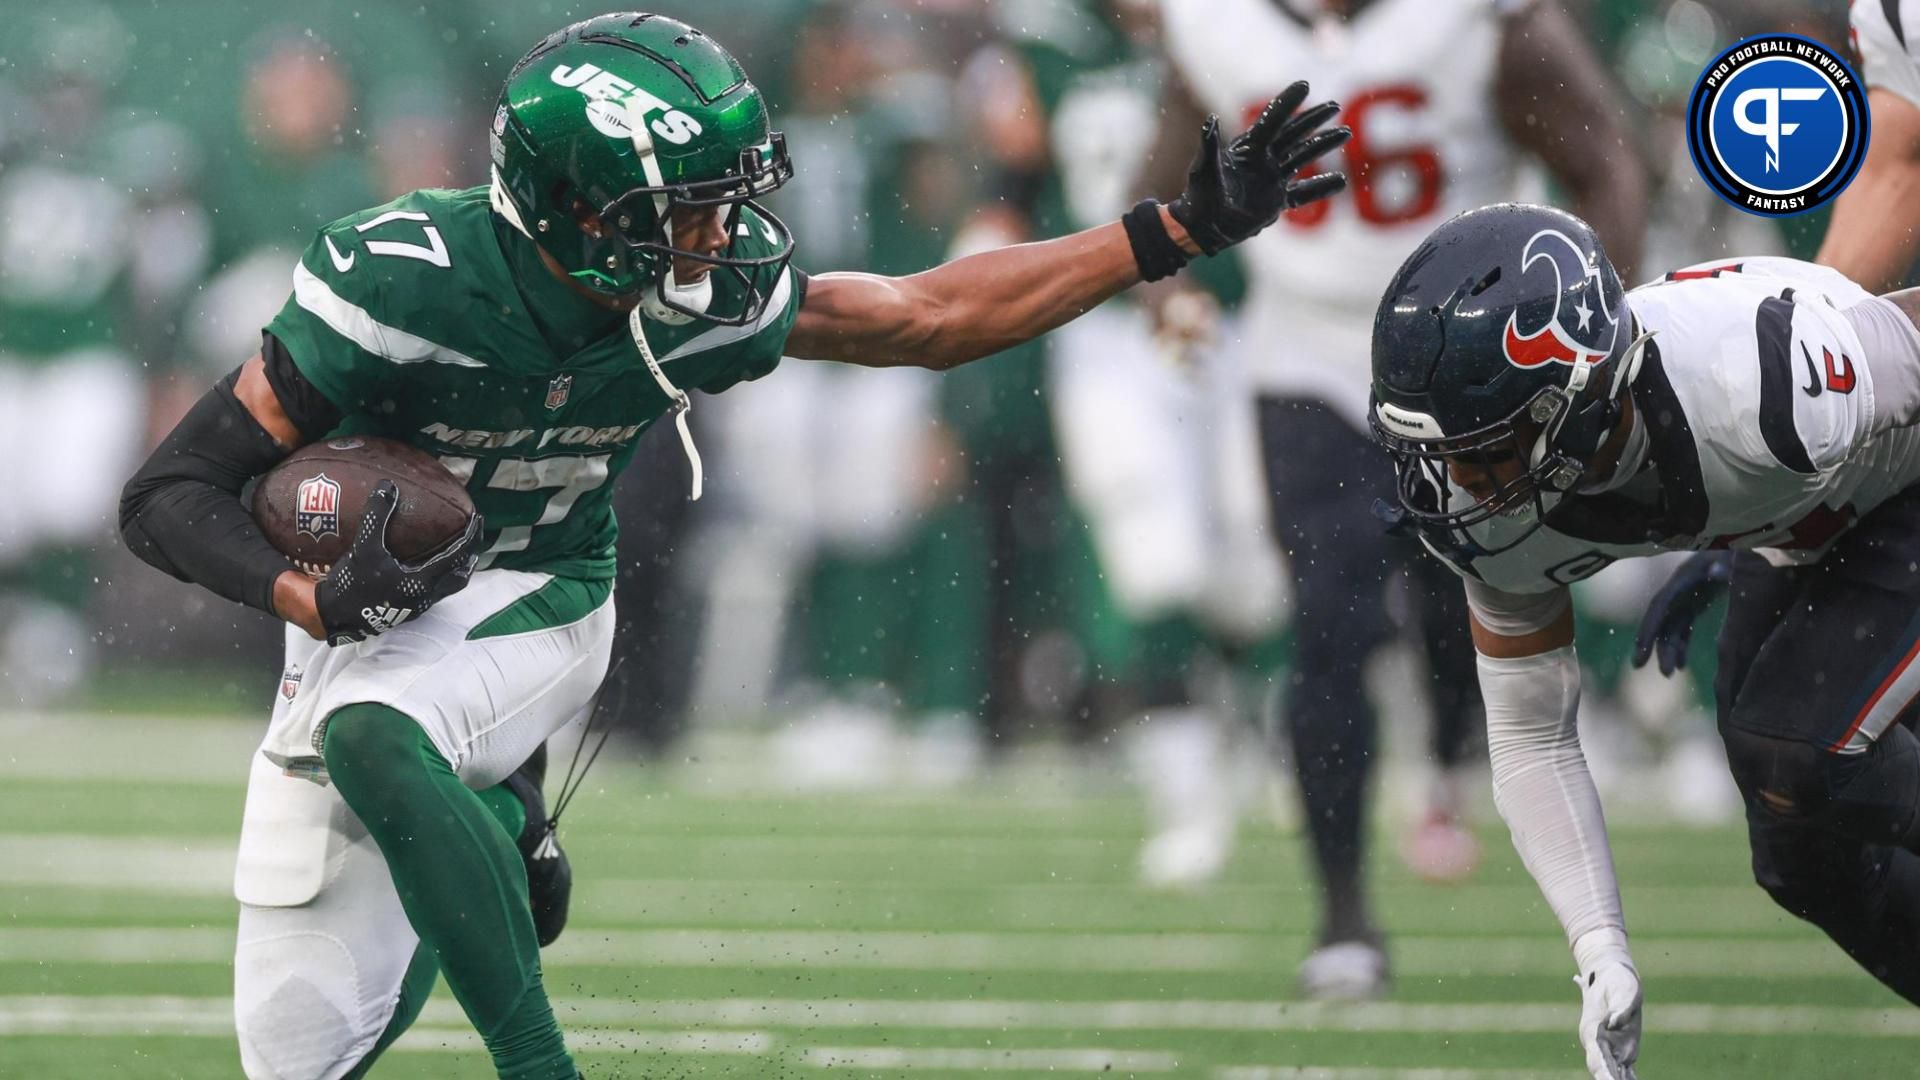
(290, 681)
(316, 507)
(557, 390)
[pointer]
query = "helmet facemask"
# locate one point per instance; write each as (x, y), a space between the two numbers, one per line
(1556, 434)
(643, 217)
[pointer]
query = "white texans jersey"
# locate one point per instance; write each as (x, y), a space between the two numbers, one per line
(1884, 35)
(1764, 430)
(1415, 81)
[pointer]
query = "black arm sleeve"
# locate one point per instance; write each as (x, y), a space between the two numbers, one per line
(312, 414)
(182, 513)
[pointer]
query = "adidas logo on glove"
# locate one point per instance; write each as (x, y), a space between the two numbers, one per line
(385, 617)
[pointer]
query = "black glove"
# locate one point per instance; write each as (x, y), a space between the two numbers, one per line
(370, 592)
(1668, 623)
(1235, 192)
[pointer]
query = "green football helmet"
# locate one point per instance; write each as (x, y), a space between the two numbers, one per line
(606, 127)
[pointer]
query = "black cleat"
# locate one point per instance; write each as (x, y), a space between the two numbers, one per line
(549, 874)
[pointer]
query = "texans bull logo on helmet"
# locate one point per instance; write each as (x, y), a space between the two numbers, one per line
(1591, 337)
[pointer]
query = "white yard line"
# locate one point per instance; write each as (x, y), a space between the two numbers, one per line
(1339, 1072)
(1075, 1059)
(160, 1015)
(184, 865)
(82, 746)
(203, 865)
(1362, 1073)
(459, 1040)
(910, 950)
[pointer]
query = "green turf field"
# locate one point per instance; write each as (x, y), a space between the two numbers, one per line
(723, 929)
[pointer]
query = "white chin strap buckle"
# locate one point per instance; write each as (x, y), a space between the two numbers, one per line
(694, 297)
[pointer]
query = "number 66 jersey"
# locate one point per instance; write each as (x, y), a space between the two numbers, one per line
(1415, 82)
(420, 322)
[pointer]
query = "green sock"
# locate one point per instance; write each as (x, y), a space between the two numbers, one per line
(506, 809)
(460, 880)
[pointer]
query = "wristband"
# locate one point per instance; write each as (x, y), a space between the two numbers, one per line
(1153, 249)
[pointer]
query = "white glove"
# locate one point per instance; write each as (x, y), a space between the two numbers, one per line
(1610, 1004)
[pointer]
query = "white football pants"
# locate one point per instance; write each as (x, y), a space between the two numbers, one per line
(323, 942)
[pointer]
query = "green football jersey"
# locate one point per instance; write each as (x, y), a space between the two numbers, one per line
(429, 320)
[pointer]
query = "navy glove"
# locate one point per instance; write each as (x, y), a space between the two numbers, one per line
(370, 591)
(1668, 624)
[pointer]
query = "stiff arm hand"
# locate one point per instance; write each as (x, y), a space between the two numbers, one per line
(1236, 190)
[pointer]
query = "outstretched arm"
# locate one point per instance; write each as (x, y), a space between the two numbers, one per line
(971, 307)
(1530, 679)
(986, 303)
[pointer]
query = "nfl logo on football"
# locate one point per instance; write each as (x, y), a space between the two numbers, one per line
(316, 507)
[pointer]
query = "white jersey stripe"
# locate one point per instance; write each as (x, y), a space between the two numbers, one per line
(356, 325)
(727, 335)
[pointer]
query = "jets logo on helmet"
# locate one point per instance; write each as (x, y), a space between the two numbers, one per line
(611, 99)
(610, 130)
(1553, 343)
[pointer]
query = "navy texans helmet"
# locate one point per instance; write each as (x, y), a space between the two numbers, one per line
(1505, 335)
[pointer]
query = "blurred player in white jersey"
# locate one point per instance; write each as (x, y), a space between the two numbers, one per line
(1875, 233)
(1446, 98)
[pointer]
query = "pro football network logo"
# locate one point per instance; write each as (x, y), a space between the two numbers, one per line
(316, 507)
(1778, 124)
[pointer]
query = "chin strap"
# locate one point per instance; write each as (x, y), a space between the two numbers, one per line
(1624, 373)
(695, 297)
(1629, 368)
(503, 204)
(681, 404)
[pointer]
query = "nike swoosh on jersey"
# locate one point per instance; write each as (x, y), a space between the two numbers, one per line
(341, 263)
(1813, 387)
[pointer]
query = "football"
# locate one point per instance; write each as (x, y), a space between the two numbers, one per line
(311, 504)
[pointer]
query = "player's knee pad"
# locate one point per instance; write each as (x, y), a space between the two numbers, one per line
(1872, 796)
(297, 1009)
(1785, 778)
